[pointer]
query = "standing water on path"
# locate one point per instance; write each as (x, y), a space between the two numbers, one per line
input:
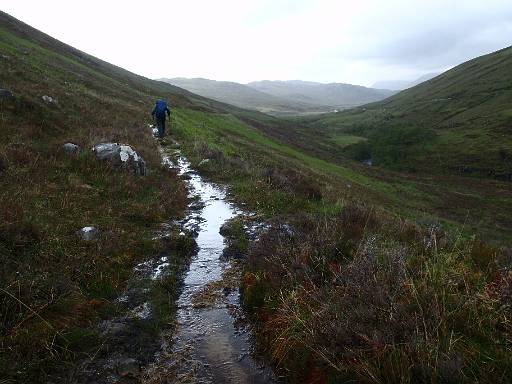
(211, 344)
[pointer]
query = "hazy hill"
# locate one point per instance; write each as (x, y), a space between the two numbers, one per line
(283, 97)
(459, 121)
(399, 85)
(334, 94)
(244, 96)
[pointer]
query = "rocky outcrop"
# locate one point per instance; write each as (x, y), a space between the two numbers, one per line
(121, 155)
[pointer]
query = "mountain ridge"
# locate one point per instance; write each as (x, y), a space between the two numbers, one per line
(283, 97)
(339, 95)
(240, 95)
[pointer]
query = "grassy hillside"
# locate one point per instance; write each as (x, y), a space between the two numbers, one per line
(246, 97)
(368, 260)
(458, 122)
(341, 291)
(52, 284)
(337, 95)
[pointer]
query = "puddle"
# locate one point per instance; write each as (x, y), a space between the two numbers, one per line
(212, 343)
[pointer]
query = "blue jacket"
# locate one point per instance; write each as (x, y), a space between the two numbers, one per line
(160, 110)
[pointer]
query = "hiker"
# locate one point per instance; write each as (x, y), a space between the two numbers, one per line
(159, 114)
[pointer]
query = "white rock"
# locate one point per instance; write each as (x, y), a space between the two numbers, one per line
(49, 99)
(122, 155)
(71, 149)
(88, 233)
(203, 162)
(127, 152)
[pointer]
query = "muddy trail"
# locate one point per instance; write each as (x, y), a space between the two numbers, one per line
(210, 341)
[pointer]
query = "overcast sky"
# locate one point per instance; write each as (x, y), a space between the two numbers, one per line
(358, 42)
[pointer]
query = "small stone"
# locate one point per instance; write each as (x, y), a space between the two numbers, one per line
(88, 233)
(114, 329)
(197, 206)
(49, 99)
(203, 162)
(71, 149)
(128, 367)
(6, 94)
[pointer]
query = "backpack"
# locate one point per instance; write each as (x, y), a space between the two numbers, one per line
(160, 107)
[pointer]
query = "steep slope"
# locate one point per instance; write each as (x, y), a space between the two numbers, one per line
(244, 96)
(458, 122)
(53, 285)
(337, 95)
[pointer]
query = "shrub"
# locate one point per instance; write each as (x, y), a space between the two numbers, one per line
(368, 299)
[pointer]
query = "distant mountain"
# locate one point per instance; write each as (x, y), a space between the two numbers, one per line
(294, 97)
(399, 85)
(338, 95)
(244, 96)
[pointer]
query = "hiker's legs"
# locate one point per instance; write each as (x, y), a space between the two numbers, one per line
(160, 124)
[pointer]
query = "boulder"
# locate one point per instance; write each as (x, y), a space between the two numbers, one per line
(121, 155)
(107, 151)
(88, 233)
(71, 149)
(6, 94)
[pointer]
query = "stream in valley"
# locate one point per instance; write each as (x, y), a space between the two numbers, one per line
(212, 343)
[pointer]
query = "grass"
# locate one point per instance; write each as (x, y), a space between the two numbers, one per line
(344, 141)
(465, 111)
(53, 286)
(251, 161)
(358, 298)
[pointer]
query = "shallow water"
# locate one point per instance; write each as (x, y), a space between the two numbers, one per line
(213, 342)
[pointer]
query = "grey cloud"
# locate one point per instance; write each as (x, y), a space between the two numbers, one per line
(437, 39)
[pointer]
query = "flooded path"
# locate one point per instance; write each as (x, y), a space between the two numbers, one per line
(212, 343)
